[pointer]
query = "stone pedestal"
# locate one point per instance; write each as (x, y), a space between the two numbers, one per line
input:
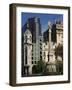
(51, 66)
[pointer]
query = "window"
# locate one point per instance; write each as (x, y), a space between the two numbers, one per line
(46, 43)
(40, 52)
(30, 36)
(40, 43)
(26, 55)
(35, 62)
(44, 53)
(40, 57)
(26, 38)
(32, 62)
(40, 47)
(32, 58)
(40, 40)
(32, 54)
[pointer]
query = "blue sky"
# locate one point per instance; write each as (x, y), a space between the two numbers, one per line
(44, 18)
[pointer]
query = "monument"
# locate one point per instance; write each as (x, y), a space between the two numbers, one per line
(51, 67)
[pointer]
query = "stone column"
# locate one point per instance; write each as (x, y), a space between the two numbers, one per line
(50, 54)
(49, 27)
(51, 62)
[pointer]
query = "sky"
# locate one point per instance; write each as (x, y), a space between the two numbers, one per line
(44, 18)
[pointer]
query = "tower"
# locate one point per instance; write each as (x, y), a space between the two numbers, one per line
(27, 51)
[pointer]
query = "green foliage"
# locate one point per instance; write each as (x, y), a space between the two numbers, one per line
(59, 51)
(41, 65)
(59, 64)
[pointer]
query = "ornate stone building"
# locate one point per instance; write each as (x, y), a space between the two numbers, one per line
(27, 52)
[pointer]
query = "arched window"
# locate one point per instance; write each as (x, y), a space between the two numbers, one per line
(30, 38)
(26, 55)
(25, 38)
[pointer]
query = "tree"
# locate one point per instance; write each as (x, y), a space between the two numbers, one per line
(59, 51)
(41, 65)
